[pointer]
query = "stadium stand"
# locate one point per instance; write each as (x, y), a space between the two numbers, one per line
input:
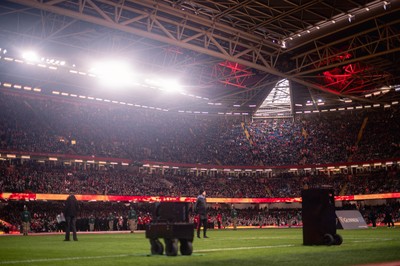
(50, 126)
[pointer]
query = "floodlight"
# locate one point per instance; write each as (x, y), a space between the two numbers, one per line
(114, 73)
(386, 5)
(168, 85)
(171, 86)
(351, 18)
(30, 56)
(385, 89)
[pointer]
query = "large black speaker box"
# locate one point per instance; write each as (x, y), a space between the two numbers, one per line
(319, 218)
(172, 212)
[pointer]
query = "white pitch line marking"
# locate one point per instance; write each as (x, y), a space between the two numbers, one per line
(260, 237)
(128, 255)
(242, 248)
(64, 259)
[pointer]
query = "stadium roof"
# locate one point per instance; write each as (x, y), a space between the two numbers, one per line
(229, 54)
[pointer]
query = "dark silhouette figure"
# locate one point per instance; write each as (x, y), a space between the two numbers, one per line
(201, 209)
(70, 213)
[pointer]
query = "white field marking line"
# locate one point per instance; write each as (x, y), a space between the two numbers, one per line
(128, 255)
(242, 248)
(64, 259)
(259, 237)
(371, 240)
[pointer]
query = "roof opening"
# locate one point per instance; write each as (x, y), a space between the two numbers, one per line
(278, 102)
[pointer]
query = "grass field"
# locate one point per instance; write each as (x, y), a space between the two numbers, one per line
(225, 247)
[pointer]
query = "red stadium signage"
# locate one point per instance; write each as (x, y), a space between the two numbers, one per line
(114, 198)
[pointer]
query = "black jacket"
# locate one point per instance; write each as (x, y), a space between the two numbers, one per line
(201, 205)
(71, 207)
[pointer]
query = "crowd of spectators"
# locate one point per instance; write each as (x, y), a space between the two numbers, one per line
(329, 138)
(104, 130)
(45, 215)
(42, 125)
(56, 178)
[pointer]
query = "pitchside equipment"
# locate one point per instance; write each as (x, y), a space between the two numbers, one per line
(319, 218)
(350, 219)
(171, 223)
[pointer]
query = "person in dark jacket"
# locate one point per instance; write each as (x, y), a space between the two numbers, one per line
(201, 209)
(26, 221)
(70, 212)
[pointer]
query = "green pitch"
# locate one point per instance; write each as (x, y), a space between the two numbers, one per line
(226, 247)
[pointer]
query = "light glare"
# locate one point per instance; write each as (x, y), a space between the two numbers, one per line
(114, 73)
(169, 85)
(30, 56)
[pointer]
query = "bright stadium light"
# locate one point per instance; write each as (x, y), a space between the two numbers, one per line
(168, 85)
(114, 73)
(30, 56)
(171, 86)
